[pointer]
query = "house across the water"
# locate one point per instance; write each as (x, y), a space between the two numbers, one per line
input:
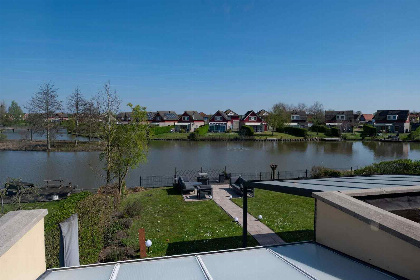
(392, 121)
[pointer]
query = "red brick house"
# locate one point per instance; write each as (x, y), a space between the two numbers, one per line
(253, 120)
(189, 121)
(220, 122)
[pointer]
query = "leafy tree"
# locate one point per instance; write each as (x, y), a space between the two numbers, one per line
(15, 112)
(4, 121)
(129, 145)
(279, 116)
(20, 191)
(75, 104)
(108, 106)
(42, 107)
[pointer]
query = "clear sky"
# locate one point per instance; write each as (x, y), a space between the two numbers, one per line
(210, 55)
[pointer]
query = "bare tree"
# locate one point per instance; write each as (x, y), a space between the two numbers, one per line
(317, 112)
(301, 107)
(3, 114)
(42, 107)
(75, 104)
(90, 116)
(109, 105)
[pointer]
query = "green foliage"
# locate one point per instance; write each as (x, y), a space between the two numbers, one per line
(322, 172)
(156, 130)
(193, 136)
(128, 146)
(333, 131)
(318, 128)
(296, 131)
(15, 113)
(401, 166)
(2, 136)
(369, 131)
(246, 131)
(415, 135)
(279, 116)
(202, 130)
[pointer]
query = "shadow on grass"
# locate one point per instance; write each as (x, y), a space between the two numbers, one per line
(205, 245)
(173, 191)
(297, 235)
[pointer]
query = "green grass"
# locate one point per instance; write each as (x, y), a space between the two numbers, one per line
(179, 227)
(276, 135)
(170, 135)
(290, 216)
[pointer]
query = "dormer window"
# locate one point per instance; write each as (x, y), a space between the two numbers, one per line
(253, 118)
(217, 118)
(392, 117)
(185, 118)
(295, 117)
(341, 117)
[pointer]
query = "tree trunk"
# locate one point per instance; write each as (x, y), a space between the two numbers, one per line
(77, 130)
(48, 139)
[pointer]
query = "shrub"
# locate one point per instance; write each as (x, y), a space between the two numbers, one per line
(193, 136)
(368, 131)
(296, 131)
(132, 209)
(401, 166)
(246, 131)
(415, 135)
(202, 130)
(318, 128)
(321, 172)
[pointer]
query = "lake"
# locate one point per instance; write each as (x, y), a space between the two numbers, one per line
(84, 168)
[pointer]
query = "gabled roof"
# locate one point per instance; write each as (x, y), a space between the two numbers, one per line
(150, 115)
(367, 117)
(381, 115)
(262, 113)
(249, 113)
(195, 116)
(222, 114)
(331, 116)
(229, 112)
(168, 115)
(302, 114)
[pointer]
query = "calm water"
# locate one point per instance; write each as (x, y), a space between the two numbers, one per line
(84, 168)
(22, 133)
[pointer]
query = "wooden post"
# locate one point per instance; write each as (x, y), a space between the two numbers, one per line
(142, 243)
(140, 182)
(306, 173)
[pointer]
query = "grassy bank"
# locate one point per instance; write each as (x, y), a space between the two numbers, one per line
(56, 146)
(179, 227)
(290, 216)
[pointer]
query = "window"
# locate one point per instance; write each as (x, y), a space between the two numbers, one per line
(252, 118)
(158, 118)
(295, 117)
(392, 117)
(341, 117)
(185, 118)
(217, 118)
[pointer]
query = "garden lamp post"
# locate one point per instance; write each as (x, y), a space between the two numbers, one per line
(148, 245)
(273, 168)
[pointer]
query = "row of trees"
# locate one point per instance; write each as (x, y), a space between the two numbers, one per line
(280, 114)
(12, 115)
(126, 146)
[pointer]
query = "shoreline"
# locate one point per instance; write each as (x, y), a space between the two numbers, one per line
(95, 146)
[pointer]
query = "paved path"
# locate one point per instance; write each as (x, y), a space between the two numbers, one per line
(264, 235)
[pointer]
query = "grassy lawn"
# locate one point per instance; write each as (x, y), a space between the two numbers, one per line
(290, 216)
(312, 134)
(179, 227)
(277, 135)
(170, 135)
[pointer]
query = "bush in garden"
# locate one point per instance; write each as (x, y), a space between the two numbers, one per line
(246, 131)
(296, 131)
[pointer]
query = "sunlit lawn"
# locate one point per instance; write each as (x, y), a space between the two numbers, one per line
(175, 135)
(178, 227)
(290, 216)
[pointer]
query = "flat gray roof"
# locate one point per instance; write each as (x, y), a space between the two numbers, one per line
(305, 187)
(296, 261)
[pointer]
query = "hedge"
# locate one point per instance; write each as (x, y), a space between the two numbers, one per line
(246, 130)
(202, 130)
(333, 131)
(415, 135)
(156, 130)
(401, 167)
(369, 131)
(296, 131)
(319, 128)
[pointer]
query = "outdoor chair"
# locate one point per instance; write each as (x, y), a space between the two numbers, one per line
(237, 184)
(203, 190)
(187, 186)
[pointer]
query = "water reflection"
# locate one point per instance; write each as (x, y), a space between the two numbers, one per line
(85, 169)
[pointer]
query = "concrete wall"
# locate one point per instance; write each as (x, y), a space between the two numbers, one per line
(348, 234)
(25, 260)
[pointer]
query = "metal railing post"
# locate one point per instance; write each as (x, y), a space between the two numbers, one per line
(140, 182)
(244, 216)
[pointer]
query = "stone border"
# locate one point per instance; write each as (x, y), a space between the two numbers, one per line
(14, 225)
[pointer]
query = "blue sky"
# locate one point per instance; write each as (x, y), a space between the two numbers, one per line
(210, 55)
